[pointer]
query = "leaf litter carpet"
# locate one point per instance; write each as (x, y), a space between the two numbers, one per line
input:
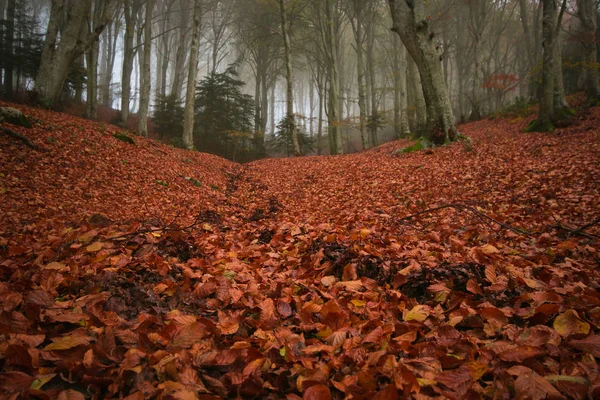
(139, 271)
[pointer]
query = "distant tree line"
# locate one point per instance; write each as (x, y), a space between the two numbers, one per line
(249, 78)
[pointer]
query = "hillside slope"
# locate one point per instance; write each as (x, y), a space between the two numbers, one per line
(459, 273)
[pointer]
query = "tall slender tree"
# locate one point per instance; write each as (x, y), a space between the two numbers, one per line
(188, 114)
(145, 77)
(587, 11)
(290, 117)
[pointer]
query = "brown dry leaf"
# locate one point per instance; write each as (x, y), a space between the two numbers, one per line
(228, 325)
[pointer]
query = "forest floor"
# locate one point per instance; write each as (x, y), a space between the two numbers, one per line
(141, 271)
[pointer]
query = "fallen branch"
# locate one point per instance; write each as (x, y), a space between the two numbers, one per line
(171, 227)
(22, 138)
(489, 221)
(579, 231)
(463, 207)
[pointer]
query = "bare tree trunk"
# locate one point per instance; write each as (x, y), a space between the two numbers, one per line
(335, 137)
(357, 28)
(67, 20)
(78, 98)
(291, 119)
(188, 119)
(311, 100)
(420, 114)
(400, 70)
(548, 100)
(374, 118)
(91, 60)
(257, 110)
(264, 103)
(95, 19)
(587, 13)
(410, 23)
(10, 33)
(560, 97)
(130, 11)
(112, 39)
(321, 91)
(181, 51)
(273, 100)
(145, 77)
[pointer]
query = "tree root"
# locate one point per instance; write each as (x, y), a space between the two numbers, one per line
(22, 138)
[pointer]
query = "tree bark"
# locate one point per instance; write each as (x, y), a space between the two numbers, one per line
(550, 95)
(130, 11)
(291, 119)
(587, 13)
(321, 91)
(372, 77)
(335, 137)
(188, 119)
(145, 78)
(67, 20)
(357, 28)
(9, 44)
(181, 51)
(92, 55)
(547, 98)
(420, 113)
(410, 22)
(400, 121)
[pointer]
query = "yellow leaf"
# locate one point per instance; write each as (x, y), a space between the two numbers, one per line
(364, 233)
(569, 323)
(41, 380)
(68, 342)
(55, 266)
(94, 247)
(419, 313)
(488, 249)
(359, 303)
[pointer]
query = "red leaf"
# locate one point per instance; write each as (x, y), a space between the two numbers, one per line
(589, 345)
(188, 335)
(317, 392)
(15, 381)
(284, 309)
(70, 395)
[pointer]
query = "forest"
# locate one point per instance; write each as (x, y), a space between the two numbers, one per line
(299, 199)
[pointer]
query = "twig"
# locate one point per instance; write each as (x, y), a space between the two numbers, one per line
(167, 228)
(22, 138)
(489, 220)
(587, 226)
(463, 207)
